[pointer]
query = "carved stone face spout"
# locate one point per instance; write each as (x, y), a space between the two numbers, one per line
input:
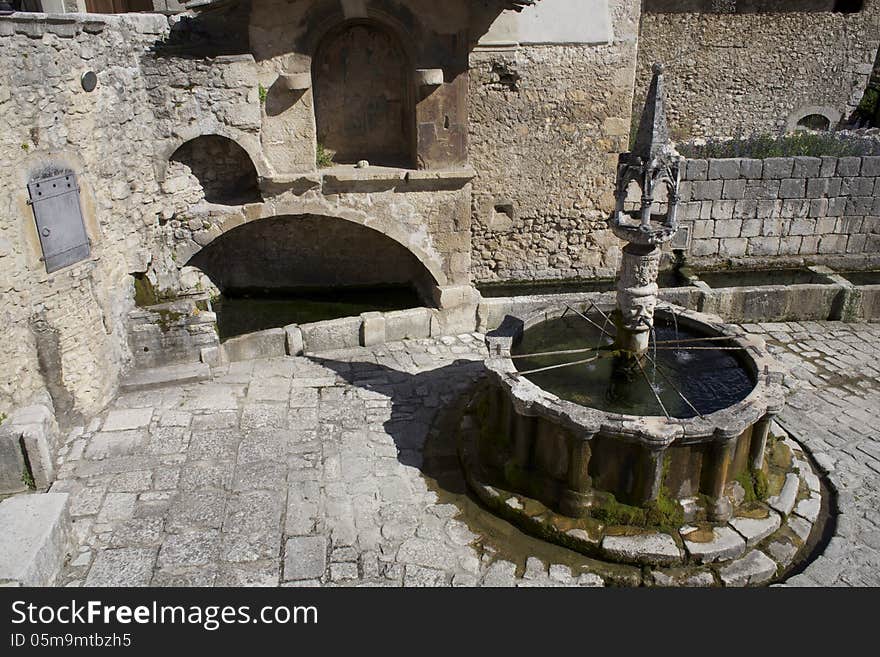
(639, 314)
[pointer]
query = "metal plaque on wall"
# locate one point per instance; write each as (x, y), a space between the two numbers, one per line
(59, 220)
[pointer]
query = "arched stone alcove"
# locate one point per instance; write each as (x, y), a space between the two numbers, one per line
(364, 100)
(222, 169)
(310, 252)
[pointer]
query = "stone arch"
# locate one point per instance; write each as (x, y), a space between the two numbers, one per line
(310, 251)
(794, 120)
(247, 142)
(224, 170)
(364, 94)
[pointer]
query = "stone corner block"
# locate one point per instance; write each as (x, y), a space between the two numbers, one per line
(35, 538)
(270, 343)
(372, 329)
(650, 549)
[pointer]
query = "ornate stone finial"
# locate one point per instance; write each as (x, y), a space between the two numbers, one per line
(653, 135)
(652, 164)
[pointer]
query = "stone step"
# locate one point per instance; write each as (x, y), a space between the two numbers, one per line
(35, 538)
(158, 377)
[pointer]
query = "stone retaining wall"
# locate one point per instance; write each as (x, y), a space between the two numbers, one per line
(547, 123)
(731, 73)
(801, 206)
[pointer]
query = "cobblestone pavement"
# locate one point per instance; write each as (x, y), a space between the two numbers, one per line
(833, 408)
(311, 471)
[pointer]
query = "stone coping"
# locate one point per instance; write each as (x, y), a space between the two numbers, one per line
(654, 432)
(36, 24)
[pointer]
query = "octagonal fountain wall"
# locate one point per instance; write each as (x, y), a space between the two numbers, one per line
(579, 460)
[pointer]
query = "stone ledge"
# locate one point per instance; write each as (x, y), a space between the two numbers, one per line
(35, 24)
(372, 178)
(162, 376)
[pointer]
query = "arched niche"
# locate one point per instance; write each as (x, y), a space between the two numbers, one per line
(813, 115)
(221, 167)
(364, 98)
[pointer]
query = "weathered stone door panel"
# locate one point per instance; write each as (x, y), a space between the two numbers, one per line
(363, 96)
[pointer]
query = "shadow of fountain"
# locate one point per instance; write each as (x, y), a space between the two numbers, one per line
(423, 411)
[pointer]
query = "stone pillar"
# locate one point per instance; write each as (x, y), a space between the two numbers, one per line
(721, 458)
(637, 296)
(651, 471)
(760, 430)
(577, 497)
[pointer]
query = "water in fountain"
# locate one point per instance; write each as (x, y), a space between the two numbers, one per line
(709, 378)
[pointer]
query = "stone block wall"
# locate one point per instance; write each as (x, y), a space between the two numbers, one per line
(547, 122)
(797, 206)
(744, 73)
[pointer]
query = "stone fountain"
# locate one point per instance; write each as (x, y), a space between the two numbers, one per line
(602, 427)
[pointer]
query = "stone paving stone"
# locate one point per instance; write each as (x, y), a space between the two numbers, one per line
(203, 509)
(193, 548)
(305, 557)
(754, 568)
(117, 506)
(127, 418)
(725, 544)
(657, 549)
(122, 567)
(115, 443)
(755, 530)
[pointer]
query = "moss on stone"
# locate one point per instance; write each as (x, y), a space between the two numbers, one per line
(612, 512)
(167, 318)
(756, 485)
(144, 292)
(665, 512)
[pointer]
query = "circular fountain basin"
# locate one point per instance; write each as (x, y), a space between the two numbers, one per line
(698, 490)
(580, 439)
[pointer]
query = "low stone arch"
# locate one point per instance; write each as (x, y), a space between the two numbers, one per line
(830, 113)
(417, 244)
(287, 252)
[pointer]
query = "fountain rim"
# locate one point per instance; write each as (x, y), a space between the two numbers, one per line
(767, 397)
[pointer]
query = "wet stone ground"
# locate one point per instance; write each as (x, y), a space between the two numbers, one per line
(309, 471)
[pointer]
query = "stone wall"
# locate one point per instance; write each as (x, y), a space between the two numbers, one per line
(65, 331)
(800, 206)
(547, 122)
(730, 74)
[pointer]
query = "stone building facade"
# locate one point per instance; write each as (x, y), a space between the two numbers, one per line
(744, 67)
(203, 133)
(188, 127)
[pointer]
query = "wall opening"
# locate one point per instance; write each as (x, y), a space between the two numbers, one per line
(364, 106)
(219, 168)
(817, 122)
(305, 268)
